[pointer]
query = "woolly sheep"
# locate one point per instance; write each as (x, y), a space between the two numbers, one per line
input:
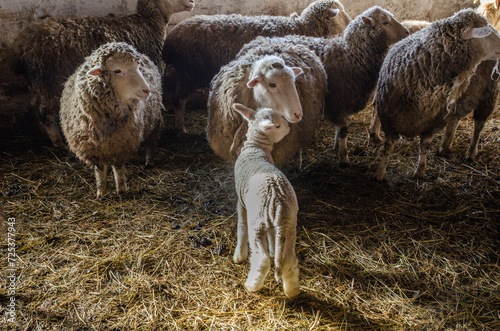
(226, 131)
(352, 63)
(109, 106)
(267, 205)
(199, 46)
(426, 10)
(50, 50)
(424, 75)
(480, 97)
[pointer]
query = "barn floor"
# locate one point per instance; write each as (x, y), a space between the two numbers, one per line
(398, 255)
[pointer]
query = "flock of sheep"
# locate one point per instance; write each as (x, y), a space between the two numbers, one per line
(271, 80)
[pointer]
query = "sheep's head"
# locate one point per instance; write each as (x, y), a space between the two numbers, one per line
(266, 121)
(117, 73)
(330, 14)
(273, 85)
(379, 19)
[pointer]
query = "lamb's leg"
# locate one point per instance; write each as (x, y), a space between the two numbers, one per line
(286, 261)
(388, 147)
(120, 178)
(179, 111)
(260, 263)
(425, 142)
(474, 144)
(375, 127)
(100, 178)
(271, 240)
(241, 251)
(449, 136)
(341, 144)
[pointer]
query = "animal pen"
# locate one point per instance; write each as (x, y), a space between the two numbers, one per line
(402, 254)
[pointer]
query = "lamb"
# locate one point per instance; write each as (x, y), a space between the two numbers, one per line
(198, 47)
(50, 50)
(264, 77)
(267, 205)
(109, 106)
(424, 75)
(351, 63)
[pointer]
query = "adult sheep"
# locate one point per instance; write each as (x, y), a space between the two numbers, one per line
(47, 52)
(199, 46)
(260, 79)
(352, 64)
(109, 106)
(424, 75)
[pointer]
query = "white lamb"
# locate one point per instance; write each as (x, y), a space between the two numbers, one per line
(267, 205)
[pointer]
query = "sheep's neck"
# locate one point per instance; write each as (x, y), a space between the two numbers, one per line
(261, 142)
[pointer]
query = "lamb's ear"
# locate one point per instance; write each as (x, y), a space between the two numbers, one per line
(256, 79)
(95, 71)
(367, 20)
(297, 71)
(246, 112)
(266, 125)
(477, 32)
(330, 12)
(497, 3)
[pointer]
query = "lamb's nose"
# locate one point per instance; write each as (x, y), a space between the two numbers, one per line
(146, 91)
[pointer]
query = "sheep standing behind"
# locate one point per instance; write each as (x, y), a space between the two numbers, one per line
(50, 50)
(236, 83)
(267, 205)
(424, 75)
(109, 106)
(198, 47)
(351, 63)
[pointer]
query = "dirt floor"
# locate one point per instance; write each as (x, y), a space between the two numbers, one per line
(403, 254)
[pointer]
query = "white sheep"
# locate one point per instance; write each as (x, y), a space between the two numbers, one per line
(109, 106)
(50, 50)
(198, 47)
(267, 205)
(425, 75)
(267, 80)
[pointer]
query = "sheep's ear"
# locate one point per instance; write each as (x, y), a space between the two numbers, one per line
(497, 3)
(297, 71)
(368, 21)
(256, 79)
(330, 12)
(243, 110)
(95, 71)
(477, 33)
(266, 125)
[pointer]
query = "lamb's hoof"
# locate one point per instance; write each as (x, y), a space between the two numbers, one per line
(419, 175)
(238, 259)
(292, 293)
(443, 152)
(252, 287)
(376, 138)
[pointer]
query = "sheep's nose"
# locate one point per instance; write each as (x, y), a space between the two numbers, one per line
(298, 116)
(146, 91)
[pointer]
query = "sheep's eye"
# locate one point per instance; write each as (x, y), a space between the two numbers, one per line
(278, 126)
(118, 71)
(386, 23)
(272, 85)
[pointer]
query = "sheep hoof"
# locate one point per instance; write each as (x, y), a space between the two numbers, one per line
(376, 138)
(345, 165)
(419, 175)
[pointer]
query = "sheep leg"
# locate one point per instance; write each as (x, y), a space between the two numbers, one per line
(120, 178)
(286, 261)
(425, 142)
(241, 251)
(260, 264)
(179, 111)
(449, 136)
(474, 144)
(388, 147)
(100, 178)
(297, 160)
(341, 144)
(375, 127)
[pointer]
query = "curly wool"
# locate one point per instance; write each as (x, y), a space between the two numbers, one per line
(199, 46)
(226, 129)
(100, 130)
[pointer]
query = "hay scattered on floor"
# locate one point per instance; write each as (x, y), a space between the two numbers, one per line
(402, 254)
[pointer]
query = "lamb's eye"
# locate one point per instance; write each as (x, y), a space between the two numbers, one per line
(118, 71)
(278, 126)
(272, 85)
